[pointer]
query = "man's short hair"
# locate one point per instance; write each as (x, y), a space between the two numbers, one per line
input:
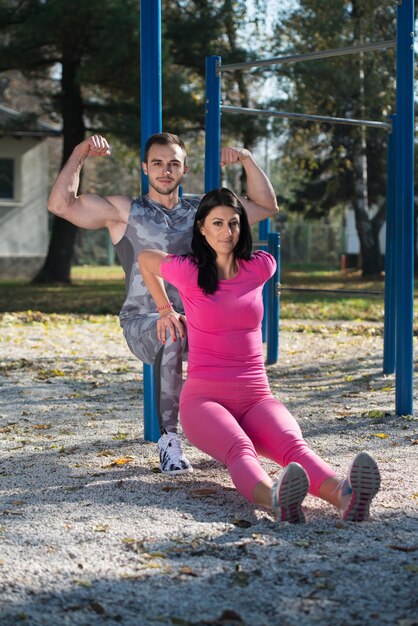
(163, 139)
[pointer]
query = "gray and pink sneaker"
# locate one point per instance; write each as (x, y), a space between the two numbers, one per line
(362, 483)
(288, 493)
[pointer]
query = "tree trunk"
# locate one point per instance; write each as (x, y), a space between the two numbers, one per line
(369, 241)
(57, 266)
(367, 230)
(248, 132)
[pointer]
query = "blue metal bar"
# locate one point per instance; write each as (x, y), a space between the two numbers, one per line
(404, 204)
(151, 425)
(273, 302)
(263, 231)
(348, 121)
(390, 282)
(213, 123)
(151, 122)
(309, 56)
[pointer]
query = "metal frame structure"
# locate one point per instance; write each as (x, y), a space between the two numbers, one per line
(399, 288)
(399, 283)
(151, 122)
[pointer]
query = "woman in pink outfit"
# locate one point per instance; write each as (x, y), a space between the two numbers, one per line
(226, 407)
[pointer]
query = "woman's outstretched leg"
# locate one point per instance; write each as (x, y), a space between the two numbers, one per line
(277, 436)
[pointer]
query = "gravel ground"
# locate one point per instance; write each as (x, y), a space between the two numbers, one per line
(91, 533)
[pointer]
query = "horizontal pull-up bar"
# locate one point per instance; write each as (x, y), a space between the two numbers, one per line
(308, 56)
(305, 116)
(343, 292)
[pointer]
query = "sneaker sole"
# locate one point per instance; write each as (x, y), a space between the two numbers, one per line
(364, 479)
(292, 492)
(187, 470)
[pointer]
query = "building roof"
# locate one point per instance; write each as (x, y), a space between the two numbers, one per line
(19, 124)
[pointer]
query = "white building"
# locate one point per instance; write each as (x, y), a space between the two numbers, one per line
(24, 164)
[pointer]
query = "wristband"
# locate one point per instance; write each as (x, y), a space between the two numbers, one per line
(164, 306)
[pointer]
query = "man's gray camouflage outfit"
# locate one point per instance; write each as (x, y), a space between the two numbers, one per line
(150, 225)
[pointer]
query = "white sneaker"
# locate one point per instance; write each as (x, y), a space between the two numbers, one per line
(288, 493)
(364, 480)
(172, 459)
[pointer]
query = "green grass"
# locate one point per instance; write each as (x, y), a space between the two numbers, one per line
(101, 290)
(94, 290)
(330, 306)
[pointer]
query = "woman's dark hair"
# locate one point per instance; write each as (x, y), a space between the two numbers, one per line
(203, 254)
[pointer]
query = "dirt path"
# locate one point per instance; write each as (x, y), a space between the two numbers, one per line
(91, 534)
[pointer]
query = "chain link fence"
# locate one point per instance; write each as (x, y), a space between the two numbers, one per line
(311, 242)
(301, 243)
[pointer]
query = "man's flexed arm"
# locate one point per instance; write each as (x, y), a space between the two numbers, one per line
(261, 201)
(85, 210)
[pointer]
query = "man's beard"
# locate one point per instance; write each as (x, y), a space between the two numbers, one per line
(165, 191)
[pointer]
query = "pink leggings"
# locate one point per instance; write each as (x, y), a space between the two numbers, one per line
(234, 421)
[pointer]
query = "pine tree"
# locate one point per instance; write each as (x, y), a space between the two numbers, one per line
(86, 55)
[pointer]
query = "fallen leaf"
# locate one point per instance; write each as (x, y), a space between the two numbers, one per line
(381, 435)
(41, 426)
(123, 461)
(340, 525)
(119, 436)
(241, 523)
(105, 453)
(202, 492)
(188, 571)
(324, 584)
(374, 414)
(241, 579)
(82, 582)
(44, 374)
(101, 528)
(155, 555)
(228, 618)
(97, 607)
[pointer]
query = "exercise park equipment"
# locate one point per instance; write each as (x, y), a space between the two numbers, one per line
(399, 269)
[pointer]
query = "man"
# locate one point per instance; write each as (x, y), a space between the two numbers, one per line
(158, 220)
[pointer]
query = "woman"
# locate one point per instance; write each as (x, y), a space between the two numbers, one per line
(226, 407)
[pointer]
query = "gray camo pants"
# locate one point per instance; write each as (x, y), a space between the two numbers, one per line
(141, 337)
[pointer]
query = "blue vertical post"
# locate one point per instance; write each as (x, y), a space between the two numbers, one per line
(390, 280)
(151, 122)
(213, 123)
(405, 209)
(263, 231)
(273, 301)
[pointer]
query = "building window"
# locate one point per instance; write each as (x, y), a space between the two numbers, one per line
(6, 179)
